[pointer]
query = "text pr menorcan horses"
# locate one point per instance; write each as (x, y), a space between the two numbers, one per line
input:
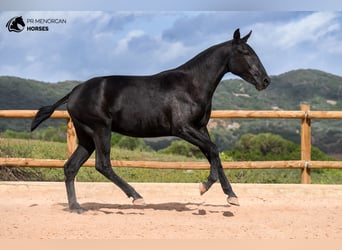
(176, 102)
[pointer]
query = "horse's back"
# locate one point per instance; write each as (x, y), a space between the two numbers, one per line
(131, 105)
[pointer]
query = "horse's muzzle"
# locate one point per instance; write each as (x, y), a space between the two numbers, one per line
(264, 84)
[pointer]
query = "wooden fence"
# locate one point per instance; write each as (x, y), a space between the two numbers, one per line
(305, 164)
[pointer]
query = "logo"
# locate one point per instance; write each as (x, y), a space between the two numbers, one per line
(16, 24)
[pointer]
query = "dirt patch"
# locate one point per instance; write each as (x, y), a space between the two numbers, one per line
(31, 210)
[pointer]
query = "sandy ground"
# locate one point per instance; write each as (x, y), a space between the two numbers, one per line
(35, 210)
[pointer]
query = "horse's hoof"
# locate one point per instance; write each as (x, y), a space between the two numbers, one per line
(139, 202)
(202, 188)
(233, 201)
(77, 209)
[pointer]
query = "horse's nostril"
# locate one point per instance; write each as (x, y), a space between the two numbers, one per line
(266, 81)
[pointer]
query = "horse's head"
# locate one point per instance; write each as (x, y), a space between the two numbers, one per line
(19, 20)
(12, 24)
(245, 63)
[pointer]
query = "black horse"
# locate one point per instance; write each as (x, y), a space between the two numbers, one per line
(176, 102)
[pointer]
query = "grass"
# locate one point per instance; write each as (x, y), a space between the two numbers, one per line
(57, 150)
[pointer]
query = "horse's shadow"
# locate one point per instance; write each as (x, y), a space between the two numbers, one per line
(195, 208)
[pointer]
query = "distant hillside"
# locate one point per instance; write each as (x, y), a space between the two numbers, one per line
(18, 93)
(321, 90)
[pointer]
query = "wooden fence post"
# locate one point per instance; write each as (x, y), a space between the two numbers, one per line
(305, 143)
(71, 137)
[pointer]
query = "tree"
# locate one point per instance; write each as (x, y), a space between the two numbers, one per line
(269, 147)
(131, 143)
(179, 147)
(263, 147)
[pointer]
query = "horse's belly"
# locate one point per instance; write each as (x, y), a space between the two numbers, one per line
(140, 125)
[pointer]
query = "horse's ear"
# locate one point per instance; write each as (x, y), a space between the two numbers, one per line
(237, 35)
(245, 38)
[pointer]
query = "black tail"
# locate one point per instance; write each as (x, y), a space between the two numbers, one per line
(46, 111)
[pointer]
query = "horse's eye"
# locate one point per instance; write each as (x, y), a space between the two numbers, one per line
(243, 51)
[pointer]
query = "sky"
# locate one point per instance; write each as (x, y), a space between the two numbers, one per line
(142, 42)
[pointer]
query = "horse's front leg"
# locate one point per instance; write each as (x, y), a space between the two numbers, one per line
(216, 172)
(227, 188)
(202, 139)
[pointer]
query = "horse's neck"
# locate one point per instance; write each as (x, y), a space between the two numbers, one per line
(209, 67)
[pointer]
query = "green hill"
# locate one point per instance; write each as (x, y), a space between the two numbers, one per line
(323, 91)
(18, 93)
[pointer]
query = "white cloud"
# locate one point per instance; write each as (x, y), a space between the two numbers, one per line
(333, 45)
(30, 58)
(305, 40)
(122, 44)
(287, 34)
(95, 43)
(310, 28)
(169, 52)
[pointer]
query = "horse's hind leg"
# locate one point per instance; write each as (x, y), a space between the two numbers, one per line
(70, 170)
(84, 149)
(103, 165)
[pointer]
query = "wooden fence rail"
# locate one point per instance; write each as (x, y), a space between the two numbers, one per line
(305, 164)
